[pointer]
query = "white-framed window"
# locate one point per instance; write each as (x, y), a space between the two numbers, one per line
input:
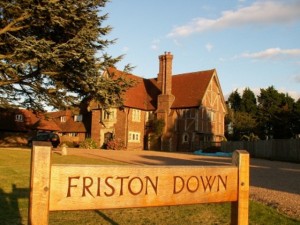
(211, 115)
(136, 115)
(63, 119)
(134, 137)
(78, 118)
(74, 134)
(109, 115)
(19, 118)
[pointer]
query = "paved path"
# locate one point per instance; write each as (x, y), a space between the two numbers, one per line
(275, 183)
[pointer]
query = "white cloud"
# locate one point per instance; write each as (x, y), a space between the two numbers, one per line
(272, 53)
(209, 47)
(294, 94)
(259, 13)
(155, 44)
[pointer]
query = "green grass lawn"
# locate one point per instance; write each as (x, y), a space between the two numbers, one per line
(14, 195)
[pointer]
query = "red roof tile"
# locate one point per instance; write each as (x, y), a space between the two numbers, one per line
(8, 119)
(72, 126)
(69, 125)
(188, 89)
(46, 125)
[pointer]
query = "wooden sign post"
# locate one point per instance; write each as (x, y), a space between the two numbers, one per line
(84, 187)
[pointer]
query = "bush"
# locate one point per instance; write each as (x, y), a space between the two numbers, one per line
(115, 144)
(88, 144)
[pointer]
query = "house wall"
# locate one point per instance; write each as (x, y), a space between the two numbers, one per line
(186, 129)
(192, 129)
(122, 128)
(135, 127)
(96, 126)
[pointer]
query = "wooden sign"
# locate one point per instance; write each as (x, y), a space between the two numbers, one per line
(86, 187)
(106, 187)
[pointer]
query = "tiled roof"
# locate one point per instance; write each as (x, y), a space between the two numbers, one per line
(46, 125)
(69, 125)
(31, 121)
(143, 95)
(38, 121)
(188, 89)
(72, 126)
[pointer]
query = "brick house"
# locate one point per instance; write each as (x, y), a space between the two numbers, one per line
(191, 105)
(74, 126)
(17, 125)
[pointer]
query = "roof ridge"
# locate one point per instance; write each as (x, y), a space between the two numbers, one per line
(194, 72)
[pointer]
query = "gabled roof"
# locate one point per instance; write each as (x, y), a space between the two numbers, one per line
(143, 95)
(188, 89)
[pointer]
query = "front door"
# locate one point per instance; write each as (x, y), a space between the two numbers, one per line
(107, 137)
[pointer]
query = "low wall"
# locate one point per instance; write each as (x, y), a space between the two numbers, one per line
(281, 150)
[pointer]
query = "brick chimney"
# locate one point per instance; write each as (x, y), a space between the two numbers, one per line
(164, 78)
(165, 99)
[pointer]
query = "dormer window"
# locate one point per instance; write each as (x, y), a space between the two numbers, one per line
(78, 118)
(63, 119)
(19, 118)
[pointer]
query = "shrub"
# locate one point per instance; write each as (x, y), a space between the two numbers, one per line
(115, 144)
(88, 144)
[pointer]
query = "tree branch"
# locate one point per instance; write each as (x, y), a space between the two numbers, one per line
(9, 27)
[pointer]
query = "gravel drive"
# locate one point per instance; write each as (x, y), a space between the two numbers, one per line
(274, 183)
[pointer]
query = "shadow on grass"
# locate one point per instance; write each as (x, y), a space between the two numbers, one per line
(9, 206)
(105, 217)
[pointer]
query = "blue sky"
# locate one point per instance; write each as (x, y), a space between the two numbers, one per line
(251, 43)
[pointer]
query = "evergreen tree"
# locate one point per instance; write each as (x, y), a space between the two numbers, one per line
(234, 101)
(271, 115)
(53, 53)
(275, 113)
(248, 102)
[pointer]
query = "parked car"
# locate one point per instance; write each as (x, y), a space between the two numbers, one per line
(46, 136)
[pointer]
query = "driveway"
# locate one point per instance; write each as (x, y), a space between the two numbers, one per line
(274, 183)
